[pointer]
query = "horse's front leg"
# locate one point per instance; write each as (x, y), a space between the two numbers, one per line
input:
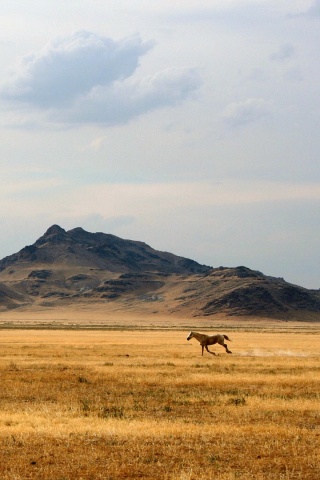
(227, 349)
(202, 346)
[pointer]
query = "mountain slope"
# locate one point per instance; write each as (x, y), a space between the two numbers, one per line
(10, 298)
(241, 291)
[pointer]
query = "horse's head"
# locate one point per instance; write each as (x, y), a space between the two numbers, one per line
(190, 336)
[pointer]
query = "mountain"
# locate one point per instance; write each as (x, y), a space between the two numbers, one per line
(98, 250)
(71, 267)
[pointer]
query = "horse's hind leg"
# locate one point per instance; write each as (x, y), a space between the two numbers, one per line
(226, 347)
(212, 353)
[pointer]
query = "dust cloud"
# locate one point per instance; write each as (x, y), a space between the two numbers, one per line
(257, 352)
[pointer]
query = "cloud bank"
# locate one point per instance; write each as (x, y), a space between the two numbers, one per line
(87, 78)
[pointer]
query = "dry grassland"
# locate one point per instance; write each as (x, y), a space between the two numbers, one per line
(146, 405)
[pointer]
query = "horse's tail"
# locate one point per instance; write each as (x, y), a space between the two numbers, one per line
(227, 338)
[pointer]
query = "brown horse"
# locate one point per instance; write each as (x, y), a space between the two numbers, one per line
(206, 340)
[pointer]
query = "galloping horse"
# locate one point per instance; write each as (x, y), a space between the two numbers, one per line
(206, 340)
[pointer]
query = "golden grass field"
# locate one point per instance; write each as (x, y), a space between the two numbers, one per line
(144, 404)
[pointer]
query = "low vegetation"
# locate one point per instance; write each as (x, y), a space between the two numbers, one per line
(146, 405)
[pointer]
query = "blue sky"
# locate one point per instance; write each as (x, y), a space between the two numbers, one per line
(191, 126)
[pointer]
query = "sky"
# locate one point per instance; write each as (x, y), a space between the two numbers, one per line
(192, 126)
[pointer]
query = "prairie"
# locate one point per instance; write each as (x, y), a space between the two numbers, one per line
(139, 403)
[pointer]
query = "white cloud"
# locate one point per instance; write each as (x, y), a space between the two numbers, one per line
(86, 78)
(314, 9)
(245, 112)
(284, 53)
(72, 66)
(121, 101)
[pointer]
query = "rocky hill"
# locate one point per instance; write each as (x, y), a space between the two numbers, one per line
(75, 266)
